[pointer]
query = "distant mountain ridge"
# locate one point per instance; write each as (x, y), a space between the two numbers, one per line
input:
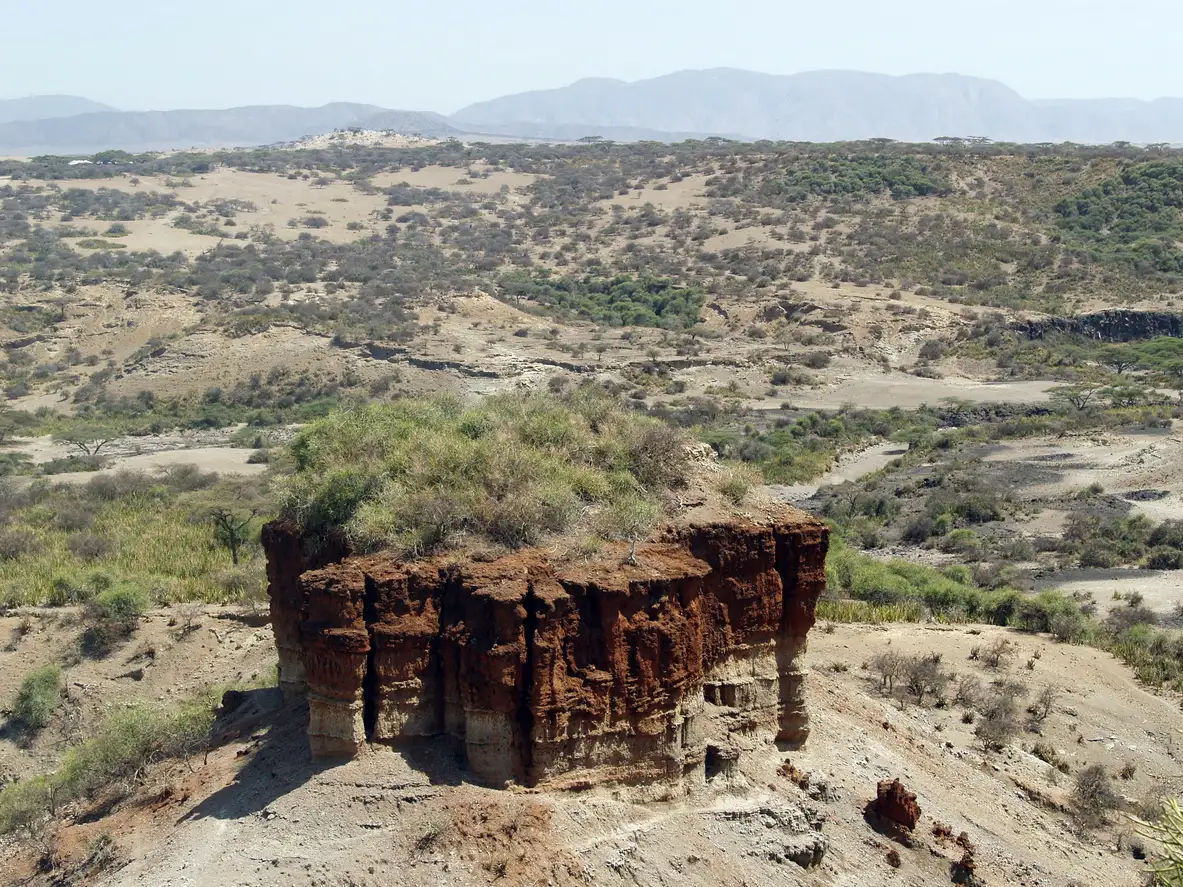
(44, 107)
(818, 106)
(824, 106)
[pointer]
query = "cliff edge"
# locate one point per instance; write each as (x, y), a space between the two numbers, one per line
(669, 669)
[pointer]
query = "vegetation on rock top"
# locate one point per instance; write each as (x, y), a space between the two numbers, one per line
(417, 475)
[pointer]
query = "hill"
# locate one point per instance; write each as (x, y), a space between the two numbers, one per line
(827, 106)
(44, 107)
(164, 130)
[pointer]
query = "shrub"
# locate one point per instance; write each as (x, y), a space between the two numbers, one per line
(1164, 558)
(968, 692)
(1093, 796)
(1067, 627)
(1100, 556)
(918, 530)
(1044, 702)
(735, 482)
(889, 666)
(186, 478)
(925, 677)
(124, 603)
(1122, 619)
(72, 518)
(628, 519)
(89, 547)
(1048, 754)
(817, 360)
(111, 616)
(1168, 534)
(15, 543)
(999, 723)
(121, 484)
(932, 350)
(998, 654)
(38, 698)
(123, 745)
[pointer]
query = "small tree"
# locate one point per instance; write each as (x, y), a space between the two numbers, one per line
(231, 507)
(925, 677)
(998, 654)
(889, 666)
(1076, 396)
(232, 527)
(1043, 704)
(1093, 796)
(1119, 358)
(630, 519)
(89, 439)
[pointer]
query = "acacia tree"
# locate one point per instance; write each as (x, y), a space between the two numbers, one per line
(231, 507)
(1120, 358)
(1076, 396)
(89, 439)
(232, 527)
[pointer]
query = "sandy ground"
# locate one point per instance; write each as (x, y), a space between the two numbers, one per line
(909, 392)
(1162, 591)
(259, 813)
(1121, 463)
(223, 460)
(208, 450)
(161, 662)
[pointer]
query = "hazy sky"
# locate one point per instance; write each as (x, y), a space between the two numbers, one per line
(443, 54)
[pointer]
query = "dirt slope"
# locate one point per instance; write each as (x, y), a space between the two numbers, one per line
(259, 812)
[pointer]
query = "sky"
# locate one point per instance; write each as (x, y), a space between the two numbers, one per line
(442, 55)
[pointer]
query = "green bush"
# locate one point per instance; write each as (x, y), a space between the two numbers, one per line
(623, 300)
(37, 699)
(736, 481)
(124, 604)
(111, 616)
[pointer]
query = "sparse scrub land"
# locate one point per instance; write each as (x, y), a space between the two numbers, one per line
(713, 307)
(68, 544)
(123, 745)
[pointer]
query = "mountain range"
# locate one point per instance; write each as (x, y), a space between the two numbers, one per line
(815, 106)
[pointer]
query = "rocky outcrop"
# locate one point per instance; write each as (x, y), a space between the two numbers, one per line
(1111, 325)
(668, 669)
(894, 811)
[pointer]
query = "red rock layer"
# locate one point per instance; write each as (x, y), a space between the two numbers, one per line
(610, 671)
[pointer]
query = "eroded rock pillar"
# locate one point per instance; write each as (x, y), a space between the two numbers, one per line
(801, 562)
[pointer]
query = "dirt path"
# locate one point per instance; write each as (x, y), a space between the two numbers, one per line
(850, 467)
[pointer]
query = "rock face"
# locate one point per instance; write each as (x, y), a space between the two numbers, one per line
(1110, 325)
(671, 669)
